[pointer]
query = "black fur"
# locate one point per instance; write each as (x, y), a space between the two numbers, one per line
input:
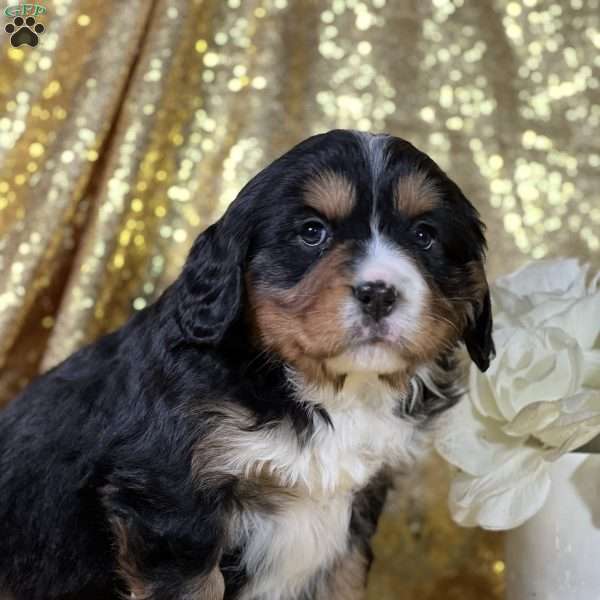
(105, 439)
(478, 337)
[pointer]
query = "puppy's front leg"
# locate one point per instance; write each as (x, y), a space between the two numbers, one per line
(347, 579)
(206, 587)
(151, 571)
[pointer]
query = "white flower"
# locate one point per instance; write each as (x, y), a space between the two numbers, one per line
(539, 399)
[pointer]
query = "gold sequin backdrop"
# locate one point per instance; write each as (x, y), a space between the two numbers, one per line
(133, 123)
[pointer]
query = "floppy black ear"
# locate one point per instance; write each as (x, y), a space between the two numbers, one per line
(478, 335)
(210, 289)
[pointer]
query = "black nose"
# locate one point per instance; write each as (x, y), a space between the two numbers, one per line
(376, 298)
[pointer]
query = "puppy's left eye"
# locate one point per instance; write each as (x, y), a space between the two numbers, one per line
(313, 233)
(424, 236)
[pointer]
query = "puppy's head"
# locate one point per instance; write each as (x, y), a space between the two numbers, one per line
(352, 252)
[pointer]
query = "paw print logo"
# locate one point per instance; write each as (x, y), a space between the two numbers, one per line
(24, 31)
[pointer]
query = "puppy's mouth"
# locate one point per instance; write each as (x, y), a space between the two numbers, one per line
(370, 353)
(371, 340)
(369, 333)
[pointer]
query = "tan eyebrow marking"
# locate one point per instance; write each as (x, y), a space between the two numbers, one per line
(331, 194)
(416, 193)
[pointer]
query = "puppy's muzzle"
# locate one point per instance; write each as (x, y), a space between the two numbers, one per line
(377, 299)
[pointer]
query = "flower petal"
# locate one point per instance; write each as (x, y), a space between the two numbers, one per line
(532, 419)
(563, 425)
(474, 444)
(533, 366)
(482, 395)
(577, 423)
(539, 399)
(558, 277)
(504, 498)
(580, 319)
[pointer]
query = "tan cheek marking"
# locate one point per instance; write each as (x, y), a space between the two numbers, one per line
(416, 194)
(444, 319)
(303, 324)
(331, 195)
(438, 331)
(441, 327)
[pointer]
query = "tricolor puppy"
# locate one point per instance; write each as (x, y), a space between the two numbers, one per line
(234, 440)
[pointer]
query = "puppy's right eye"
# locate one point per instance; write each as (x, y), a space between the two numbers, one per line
(424, 236)
(313, 233)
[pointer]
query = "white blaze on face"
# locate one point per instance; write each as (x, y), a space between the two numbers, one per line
(383, 261)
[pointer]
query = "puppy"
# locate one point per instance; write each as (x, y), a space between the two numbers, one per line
(235, 439)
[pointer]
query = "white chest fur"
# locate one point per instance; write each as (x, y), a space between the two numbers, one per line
(285, 549)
